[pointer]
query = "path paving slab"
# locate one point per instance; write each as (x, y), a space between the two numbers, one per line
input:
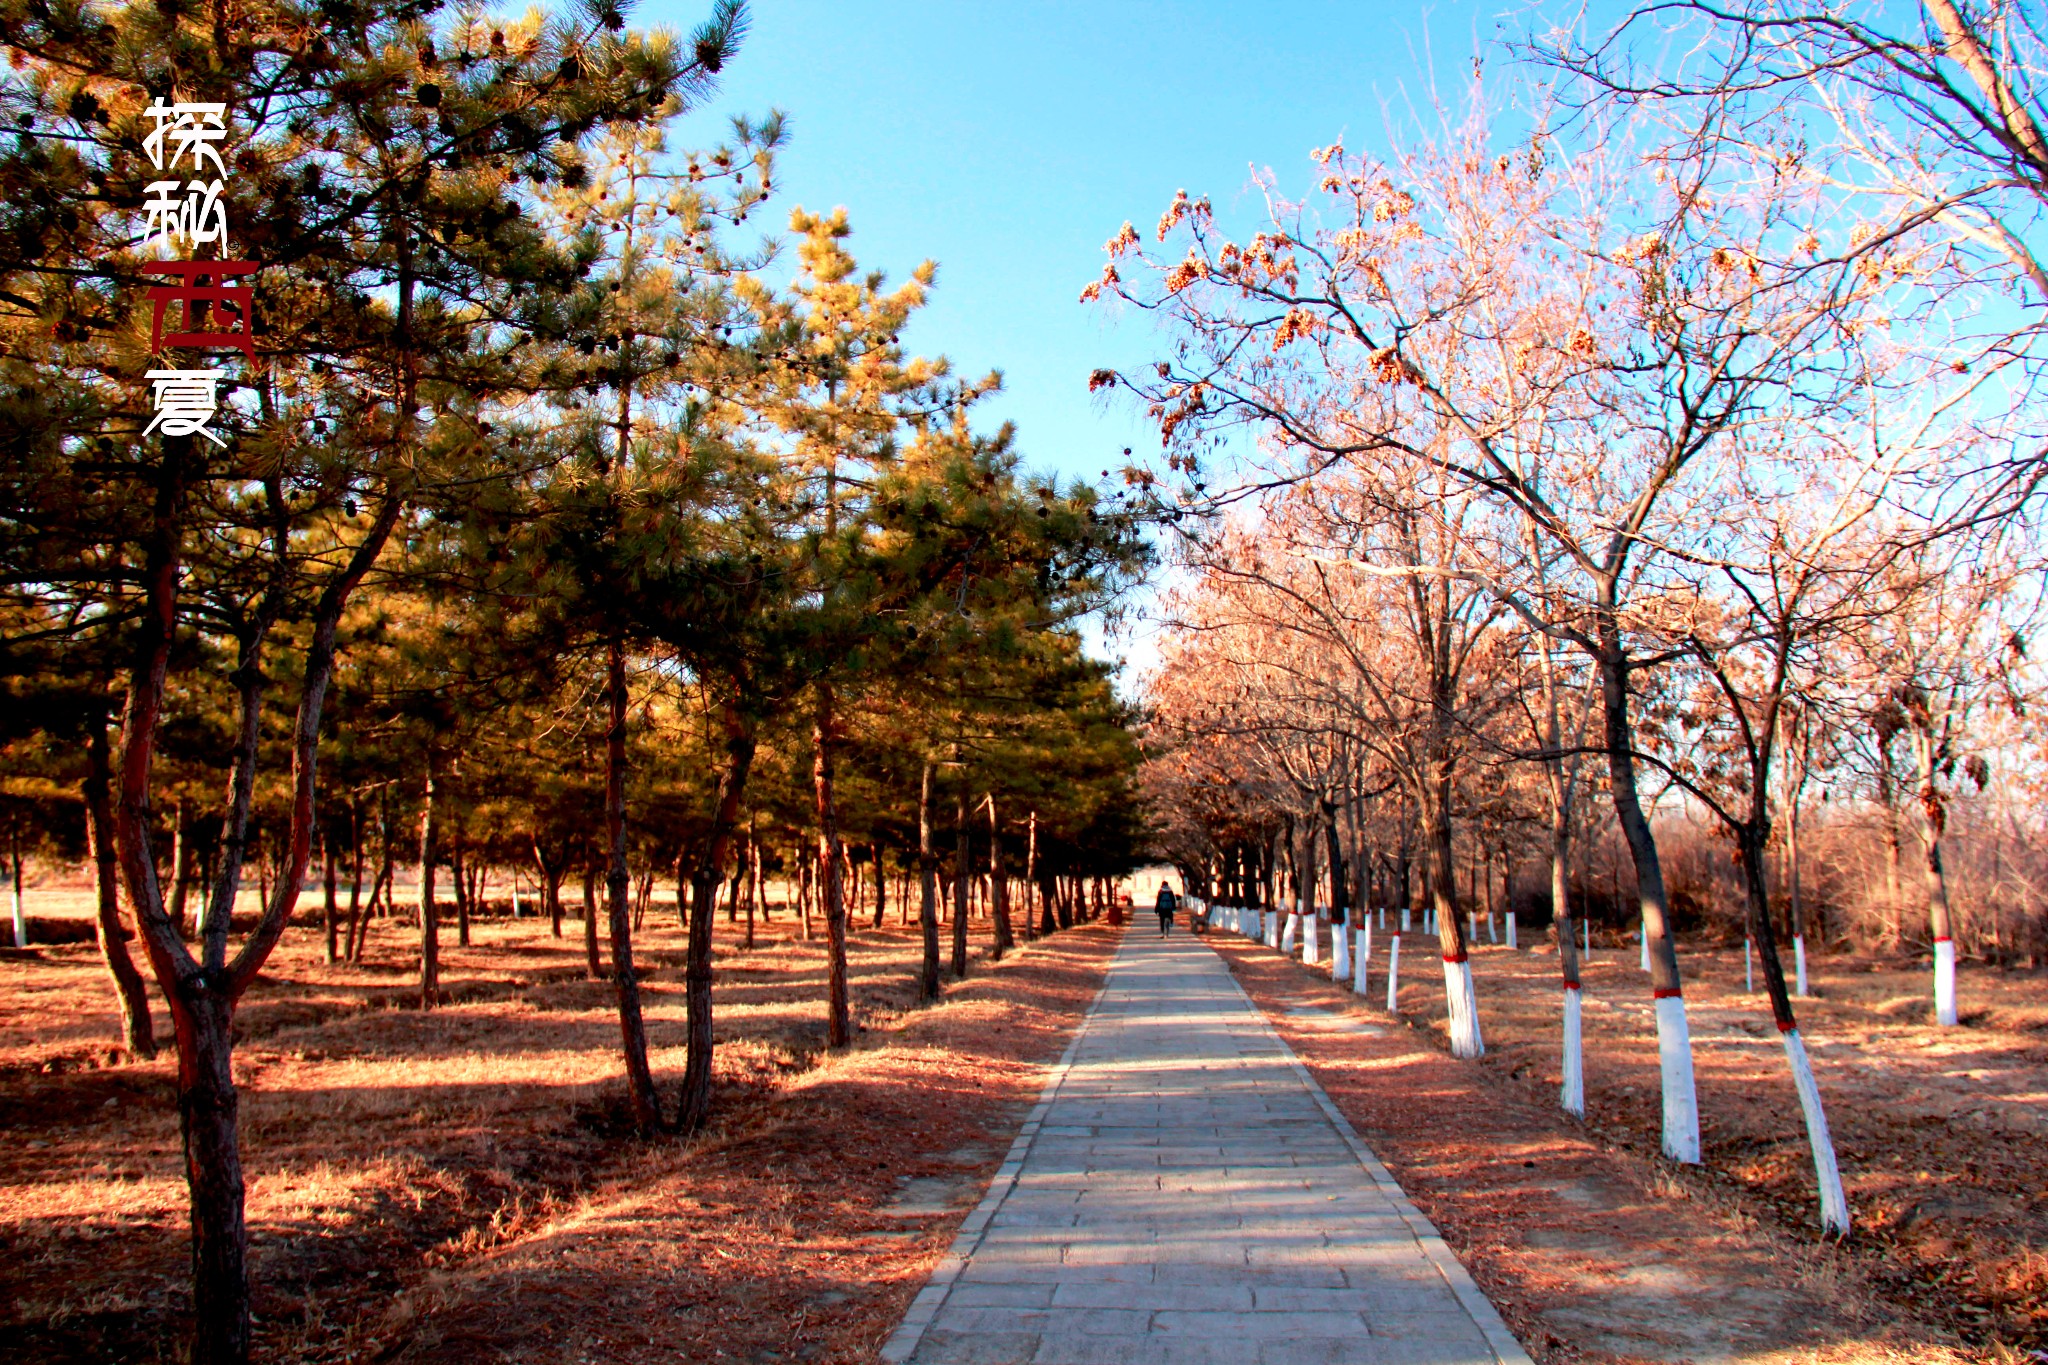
(1185, 1193)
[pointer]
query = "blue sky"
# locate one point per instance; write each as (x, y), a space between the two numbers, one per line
(1008, 142)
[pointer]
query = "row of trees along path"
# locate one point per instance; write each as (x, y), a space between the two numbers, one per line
(1590, 468)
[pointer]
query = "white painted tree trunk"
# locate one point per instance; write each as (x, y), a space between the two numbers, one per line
(1271, 936)
(1404, 919)
(1586, 953)
(1340, 953)
(1311, 938)
(1491, 935)
(1572, 1094)
(1834, 1204)
(1472, 926)
(516, 912)
(1944, 979)
(1291, 932)
(1748, 966)
(20, 919)
(1681, 1099)
(1799, 965)
(1393, 973)
(1511, 930)
(1361, 968)
(1643, 941)
(1463, 1004)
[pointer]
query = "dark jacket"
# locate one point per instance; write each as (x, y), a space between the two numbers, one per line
(1168, 902)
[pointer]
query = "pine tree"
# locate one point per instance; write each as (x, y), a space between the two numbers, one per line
(376, 156)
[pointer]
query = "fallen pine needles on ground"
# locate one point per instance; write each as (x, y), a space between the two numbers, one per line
(1595, 1250)
(458, 1185)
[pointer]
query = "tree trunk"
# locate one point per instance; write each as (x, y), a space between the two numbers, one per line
(632, 1027)
(1466, 1039)
(695, 1103)
(1573, 1090)
(732, 890)
(137, 1031)
(593, 964)
(881, 884)
(1681, 1136)
(262, 877)
(1484, 868)
(757, 886)
(928, 892)
(1751, 839)
(181, 867)
(838, 1006)
(961, 873)
(1333, 853)
(1796, 910)
(329, 910)
(209, 1117)
(380, 885)
(458, 874)
(1892, 930)
(1940, 922)
(551, 874)
(803, 891)
(355, 878)
(430, 913)
(998, 885)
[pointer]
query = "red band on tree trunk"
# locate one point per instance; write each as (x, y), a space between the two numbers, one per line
(1784, 1027)
(1944, 939)
(1571, 985)
(1672, 994)
(1454, 957)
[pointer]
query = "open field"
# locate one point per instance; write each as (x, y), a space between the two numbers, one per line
(1596, 1248)
(456, 1186)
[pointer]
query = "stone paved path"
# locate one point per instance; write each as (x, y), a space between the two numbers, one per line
(1185, 1194)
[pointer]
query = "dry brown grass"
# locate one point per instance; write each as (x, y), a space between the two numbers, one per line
(1940, 1132)
(456, 1185)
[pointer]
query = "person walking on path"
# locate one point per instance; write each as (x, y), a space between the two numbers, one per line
(1168, 903)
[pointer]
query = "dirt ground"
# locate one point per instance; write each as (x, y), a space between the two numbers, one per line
(1597, 1249)
(456, 1186)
